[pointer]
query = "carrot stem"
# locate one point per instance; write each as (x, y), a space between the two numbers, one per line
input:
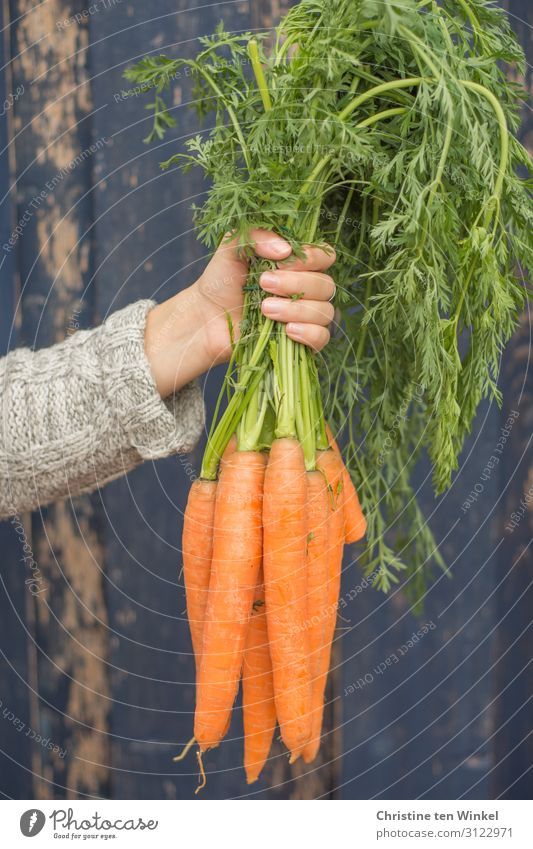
(249, 379)
(253, 53)
(306, 433)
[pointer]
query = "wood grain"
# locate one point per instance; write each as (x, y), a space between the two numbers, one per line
(104, 669)
(69, 641)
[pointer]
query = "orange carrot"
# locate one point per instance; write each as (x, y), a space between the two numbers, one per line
(198, 550)
(197, 553)
(330, 464)
(317, 596)
(259, 711)
(284, 540)
(230, 449)
(354, 520)
(237, 550)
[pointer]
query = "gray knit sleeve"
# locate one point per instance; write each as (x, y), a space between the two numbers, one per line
(85, 411)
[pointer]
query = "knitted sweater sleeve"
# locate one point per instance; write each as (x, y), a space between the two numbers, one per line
(85, 411)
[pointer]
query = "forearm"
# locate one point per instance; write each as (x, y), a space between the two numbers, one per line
(86, 411)
(175, 341)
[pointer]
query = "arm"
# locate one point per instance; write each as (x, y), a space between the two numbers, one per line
(93, 407)
(86, 411)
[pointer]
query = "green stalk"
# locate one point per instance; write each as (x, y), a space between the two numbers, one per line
(248, 422)
(437, 181)
(380, 116)
(226, 427)
(229, 109)
(472, 18)
(473, 86)
(251, 424)
(291, 388)
(253, 53)
(342, 216)
(368, 290)
(363, 225)
(282, 51)
(235, 359)
(299, 421)
(386, 113)
(498, 185)
(377, 90)
(316, 407)
(307, 429)
(286, 425)
(418, 48)
(504, 131)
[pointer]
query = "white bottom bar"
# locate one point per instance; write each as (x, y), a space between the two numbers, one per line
(356, 824)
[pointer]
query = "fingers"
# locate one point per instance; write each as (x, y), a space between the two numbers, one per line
(302, 311)
(312, 335)
(303, 296)
(266, 244)
(270, 245)
(316, 259)
(307, 284)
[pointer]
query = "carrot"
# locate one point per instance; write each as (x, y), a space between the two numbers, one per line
(330, 464)
(197, 552)
(284, 541)
(354, 520)
(237, 550)
(259, 711)
(317, 596)
(230, 449)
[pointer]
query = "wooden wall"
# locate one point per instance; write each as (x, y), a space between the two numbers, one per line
(98, 661)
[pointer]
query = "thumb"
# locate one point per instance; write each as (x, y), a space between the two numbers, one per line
(265, 243)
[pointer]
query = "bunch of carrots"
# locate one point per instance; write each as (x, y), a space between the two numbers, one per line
(262, 555)
(264, 532)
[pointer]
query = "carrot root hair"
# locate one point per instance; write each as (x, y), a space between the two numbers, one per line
(203, 779)
(186, 749)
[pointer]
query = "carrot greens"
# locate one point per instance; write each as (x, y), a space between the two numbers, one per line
(386, 129)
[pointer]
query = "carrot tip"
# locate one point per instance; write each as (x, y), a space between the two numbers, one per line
(310, 756)
(294, 757)
(203, 779)
(186, 749)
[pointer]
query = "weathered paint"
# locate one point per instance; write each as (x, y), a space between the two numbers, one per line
(68, 650)
(108, 650)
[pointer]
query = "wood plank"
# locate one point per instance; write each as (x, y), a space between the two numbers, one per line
(413, 725)
(109, 652)
(15, 743)
(54, 172)
(512, 776)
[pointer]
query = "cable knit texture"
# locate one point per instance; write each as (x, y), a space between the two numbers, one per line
(85, 411)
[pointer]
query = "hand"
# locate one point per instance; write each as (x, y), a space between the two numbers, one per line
(189, 333)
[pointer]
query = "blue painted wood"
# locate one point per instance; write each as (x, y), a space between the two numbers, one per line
(15, 744)
(512, 777)
(417, 689)
(66, 645)
(443, 714)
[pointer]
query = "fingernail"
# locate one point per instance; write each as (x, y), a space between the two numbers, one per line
(271, 307)
(269, 281)
(279, 246)
(295, 329)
